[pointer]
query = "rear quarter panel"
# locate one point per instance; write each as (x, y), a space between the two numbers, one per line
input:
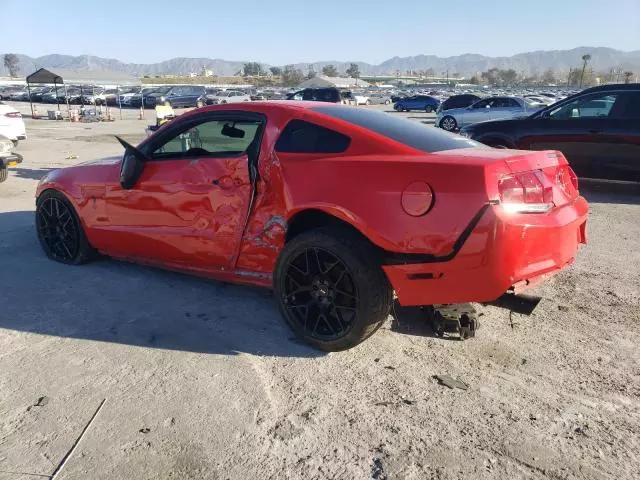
(366, 192)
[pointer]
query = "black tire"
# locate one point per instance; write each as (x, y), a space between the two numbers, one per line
(15, 143)
(4, 174)
(61, 234)
(428, 109)
(448, 123)
(352, 283)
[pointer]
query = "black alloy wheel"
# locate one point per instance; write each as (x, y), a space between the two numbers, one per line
(330, 288)
(320, 295)
(59, 230)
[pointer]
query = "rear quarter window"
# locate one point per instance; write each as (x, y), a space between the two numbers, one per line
(300, 136)
(413, 134)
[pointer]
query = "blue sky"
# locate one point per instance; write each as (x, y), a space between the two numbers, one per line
(285, 31)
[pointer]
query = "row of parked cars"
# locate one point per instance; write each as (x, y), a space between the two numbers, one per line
(176, 95)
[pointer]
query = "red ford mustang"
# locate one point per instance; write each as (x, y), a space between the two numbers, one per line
(334, 207)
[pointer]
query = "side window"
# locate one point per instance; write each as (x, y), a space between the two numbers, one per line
(511, 103)
(588, 106)
(305, 137)
(482, 103)
(216, 138)
(627, 106)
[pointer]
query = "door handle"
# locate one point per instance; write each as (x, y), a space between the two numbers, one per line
(595, 132)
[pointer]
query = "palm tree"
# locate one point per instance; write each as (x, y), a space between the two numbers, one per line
(627, 77)
(585, 60)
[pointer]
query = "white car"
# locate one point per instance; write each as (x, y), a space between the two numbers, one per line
(11, 124)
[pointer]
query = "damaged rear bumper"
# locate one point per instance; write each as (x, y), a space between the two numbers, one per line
(503, 253)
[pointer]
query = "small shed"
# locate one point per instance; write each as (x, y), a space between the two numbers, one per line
(60, 76)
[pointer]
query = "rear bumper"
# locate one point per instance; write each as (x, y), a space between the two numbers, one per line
(503, 253)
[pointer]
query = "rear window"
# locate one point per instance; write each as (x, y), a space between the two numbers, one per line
(306, 137)
(407, 132)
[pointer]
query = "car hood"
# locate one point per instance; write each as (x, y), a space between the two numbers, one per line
(77, 180)
(113, 160)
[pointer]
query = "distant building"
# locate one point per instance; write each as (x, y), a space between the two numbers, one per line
(338, 82)
(206, 72)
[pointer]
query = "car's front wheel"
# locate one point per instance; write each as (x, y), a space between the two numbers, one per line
(60, 231)
(331, 291)
(448, 123)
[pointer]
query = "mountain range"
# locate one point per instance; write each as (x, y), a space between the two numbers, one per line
(602, 59)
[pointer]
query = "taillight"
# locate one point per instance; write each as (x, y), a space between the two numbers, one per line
(13, 115)
(567, 180)
(526, 192)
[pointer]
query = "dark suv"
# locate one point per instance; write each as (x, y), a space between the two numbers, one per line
(598, 130)
(177, 96)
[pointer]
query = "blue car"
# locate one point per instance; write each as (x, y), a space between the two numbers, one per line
(417, 102)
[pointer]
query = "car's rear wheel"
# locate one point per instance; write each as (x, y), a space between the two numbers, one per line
(331, 291)
(429, 109)
(387, 102)
(4, 174)
(60, 231)
(448, 123)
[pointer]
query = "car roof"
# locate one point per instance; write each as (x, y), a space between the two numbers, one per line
(613, 86)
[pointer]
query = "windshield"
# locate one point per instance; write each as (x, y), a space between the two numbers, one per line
(412, 134)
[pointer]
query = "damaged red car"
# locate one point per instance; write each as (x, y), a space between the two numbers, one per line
(339, 209)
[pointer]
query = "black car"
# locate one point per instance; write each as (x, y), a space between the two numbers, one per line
(598, 130)
(458, 101)
(330, 94)
(178, 96)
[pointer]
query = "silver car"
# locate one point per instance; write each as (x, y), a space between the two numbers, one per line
(492, 108)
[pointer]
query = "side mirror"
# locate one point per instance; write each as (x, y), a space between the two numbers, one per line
(131, 166)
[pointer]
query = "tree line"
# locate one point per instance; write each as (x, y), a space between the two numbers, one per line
(290, 75)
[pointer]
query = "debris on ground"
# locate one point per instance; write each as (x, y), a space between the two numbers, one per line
(449, 381)
(144, 430)
(563, 308)
(377, 470)
(41, 402)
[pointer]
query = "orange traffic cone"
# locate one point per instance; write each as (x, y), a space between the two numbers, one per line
(74, 115)
(35, 115)
(141, 114)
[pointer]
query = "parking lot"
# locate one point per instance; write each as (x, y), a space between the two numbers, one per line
(112, 370)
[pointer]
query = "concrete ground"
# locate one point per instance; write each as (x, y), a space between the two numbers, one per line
(112, 370)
